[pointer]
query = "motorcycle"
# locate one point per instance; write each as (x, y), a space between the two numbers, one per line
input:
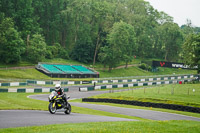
(58, 104)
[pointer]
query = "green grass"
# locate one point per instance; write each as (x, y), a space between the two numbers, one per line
(20, 64)
(131, 71)
(19, 101)
(24, 74)
(114, 127)
(148, 108)
(62, 61)
(14, 87)
(140, 107)
(161, 94)
(82, 110)
(12, 101)
(135, 71)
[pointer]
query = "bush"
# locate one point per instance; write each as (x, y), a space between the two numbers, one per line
(64, 54)
(145, 67)
(149, 68)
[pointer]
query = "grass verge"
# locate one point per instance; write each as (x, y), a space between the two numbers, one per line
(184, 94)
(12, 101)
(114, 127)
(140, 107)
(145, 108)
(135, 71)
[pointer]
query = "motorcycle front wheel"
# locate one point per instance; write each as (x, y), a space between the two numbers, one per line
(52, 109)
(68, 111)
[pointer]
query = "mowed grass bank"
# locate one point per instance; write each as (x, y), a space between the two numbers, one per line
(13, 75)
(22, 74)
(12, 101)
(114, 127)
(131, 71)
(184, 94)
(135, 71)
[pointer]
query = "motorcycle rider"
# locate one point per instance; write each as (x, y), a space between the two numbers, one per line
(60, 91)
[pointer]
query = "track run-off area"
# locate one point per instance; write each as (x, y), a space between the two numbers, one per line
(22, 118)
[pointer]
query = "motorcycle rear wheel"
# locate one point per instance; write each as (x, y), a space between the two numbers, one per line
(52, 109)
(68, 111)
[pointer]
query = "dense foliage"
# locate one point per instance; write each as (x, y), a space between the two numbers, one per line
(87, 31)
(191, 51)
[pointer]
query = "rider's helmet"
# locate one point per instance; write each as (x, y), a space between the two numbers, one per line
(57, 87)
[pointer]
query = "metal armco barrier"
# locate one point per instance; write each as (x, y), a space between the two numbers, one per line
(28, 90)
(145, 104)
(138, 79)
(132, 85)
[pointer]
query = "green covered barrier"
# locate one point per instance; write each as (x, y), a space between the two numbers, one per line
(5, 84)
(21, 90)
(3, 90)
(37, 90)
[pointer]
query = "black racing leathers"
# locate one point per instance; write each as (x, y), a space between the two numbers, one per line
(61, 93)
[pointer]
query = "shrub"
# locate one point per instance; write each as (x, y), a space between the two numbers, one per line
(145, 67)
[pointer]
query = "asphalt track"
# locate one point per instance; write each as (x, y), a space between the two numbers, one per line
(21, 118)
(24, 118)
(146, 114)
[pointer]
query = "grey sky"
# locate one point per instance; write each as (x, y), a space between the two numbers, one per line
(180, 10)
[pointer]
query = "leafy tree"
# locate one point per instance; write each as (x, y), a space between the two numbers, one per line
(121, 41)
(101, 14)
(188, 29)
(191, 51)
(81, 27)
(84, 48)
(21, 11)
(11, 44)
(36, 49)
(172, 39)
(109, 56)
(127, 39)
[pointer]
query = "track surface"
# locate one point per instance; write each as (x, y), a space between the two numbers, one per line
(21, 118)
(146, 114)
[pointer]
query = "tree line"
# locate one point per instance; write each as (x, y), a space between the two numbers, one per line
(106, 31)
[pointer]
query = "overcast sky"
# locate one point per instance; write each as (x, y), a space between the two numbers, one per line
(180, 10)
